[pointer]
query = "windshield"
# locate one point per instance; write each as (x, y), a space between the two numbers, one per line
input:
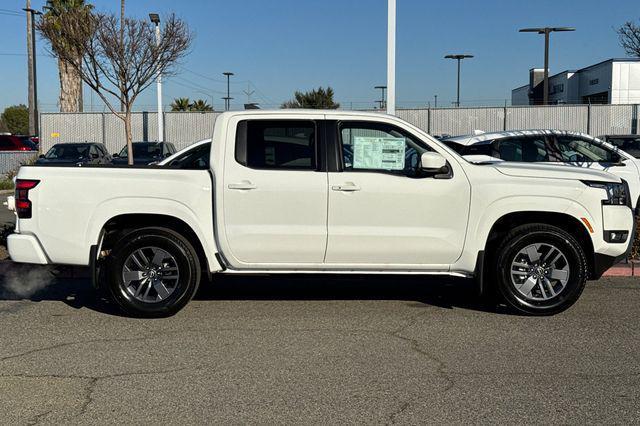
(68, 152)
(143, 150)
(196, 158)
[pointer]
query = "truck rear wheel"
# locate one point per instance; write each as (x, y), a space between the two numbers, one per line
(153, 272)
(540, 269)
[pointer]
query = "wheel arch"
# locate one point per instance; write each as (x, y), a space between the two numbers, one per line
(564, 221)
(118, 226)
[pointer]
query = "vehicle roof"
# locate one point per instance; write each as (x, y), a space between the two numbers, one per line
(303, 111)
(486, 137)
(77, 143)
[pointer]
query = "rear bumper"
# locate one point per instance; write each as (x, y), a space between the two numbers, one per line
(26, 249)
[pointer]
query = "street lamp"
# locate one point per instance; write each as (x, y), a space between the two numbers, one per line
(381, 101)
(227, 99)
(546, 31)
(155, 19)
(459, 58)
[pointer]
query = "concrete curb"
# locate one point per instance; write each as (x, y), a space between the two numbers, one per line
(624, 269)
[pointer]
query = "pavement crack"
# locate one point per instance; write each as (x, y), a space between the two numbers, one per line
(415, 346)
(37, 418)
(78, 342)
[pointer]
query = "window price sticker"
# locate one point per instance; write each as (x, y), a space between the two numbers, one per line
(378, 153)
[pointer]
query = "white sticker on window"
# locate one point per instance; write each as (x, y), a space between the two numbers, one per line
(378, 153)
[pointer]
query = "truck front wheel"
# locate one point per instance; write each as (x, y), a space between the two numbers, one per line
(540, 269)
(153, 272)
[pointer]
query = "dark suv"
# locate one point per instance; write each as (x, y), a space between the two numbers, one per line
(75, 153)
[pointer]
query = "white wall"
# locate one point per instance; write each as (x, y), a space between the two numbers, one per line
(626, 83)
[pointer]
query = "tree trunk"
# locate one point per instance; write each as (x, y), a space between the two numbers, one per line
(127, 132)
(70, 87)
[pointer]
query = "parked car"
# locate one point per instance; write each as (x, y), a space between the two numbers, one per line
(195, 157)
(75, 153)
(628, 143)
(10, 142)
(552, 146)
(145, 152)
(282, 195)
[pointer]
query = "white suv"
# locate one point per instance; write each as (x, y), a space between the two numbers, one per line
(551, 146)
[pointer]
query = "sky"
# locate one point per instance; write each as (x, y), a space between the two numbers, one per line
(276, 47)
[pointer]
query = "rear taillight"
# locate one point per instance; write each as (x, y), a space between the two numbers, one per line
(23, 205)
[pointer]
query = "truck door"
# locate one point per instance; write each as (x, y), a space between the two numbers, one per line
(382, 211)
(275, 192)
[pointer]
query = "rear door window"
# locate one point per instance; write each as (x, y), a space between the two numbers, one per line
(277, 144)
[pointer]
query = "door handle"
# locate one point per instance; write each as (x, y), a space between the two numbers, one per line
(245, 185)
(347, 187)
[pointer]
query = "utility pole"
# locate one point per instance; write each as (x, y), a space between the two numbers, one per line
(391, 57)
(227, 99)
(155, 19)
(435, 103)
(546, 31)
(381, 101)
(34, 128)
(248, 92)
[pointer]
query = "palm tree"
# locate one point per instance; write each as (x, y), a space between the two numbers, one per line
(317, 99)
(181, 104)
(70, 81)
(200, 106)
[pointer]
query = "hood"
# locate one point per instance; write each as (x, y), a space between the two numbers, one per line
(553, 171)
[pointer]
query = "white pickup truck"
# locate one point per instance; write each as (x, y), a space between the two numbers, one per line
(298, 191)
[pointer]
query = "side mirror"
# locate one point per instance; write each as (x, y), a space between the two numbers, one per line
(116, 155)
(432, 162)
(94, 156)
(41, 156)
(167, 155)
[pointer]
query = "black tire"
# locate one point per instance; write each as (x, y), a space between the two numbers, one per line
(545, 235)
(184, 260)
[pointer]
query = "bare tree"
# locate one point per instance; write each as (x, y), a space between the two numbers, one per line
(629, 35)
(119, 61)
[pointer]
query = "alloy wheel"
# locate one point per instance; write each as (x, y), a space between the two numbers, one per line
(150, 274)
(540, 272)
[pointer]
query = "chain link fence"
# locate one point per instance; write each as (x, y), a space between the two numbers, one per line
(10, 161)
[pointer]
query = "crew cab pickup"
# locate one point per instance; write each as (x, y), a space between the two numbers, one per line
(297, 191)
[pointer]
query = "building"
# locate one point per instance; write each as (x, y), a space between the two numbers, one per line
(614, 81)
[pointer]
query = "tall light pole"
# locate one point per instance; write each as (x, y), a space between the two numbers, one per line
(391, 57)
(34, 128)
(458, 58)
(546, 31)
(227, 99)
(381, 101)
(155, 19)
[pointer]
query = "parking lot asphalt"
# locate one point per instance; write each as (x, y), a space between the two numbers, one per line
(316, 350)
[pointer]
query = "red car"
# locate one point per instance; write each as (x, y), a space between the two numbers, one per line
(17, 143)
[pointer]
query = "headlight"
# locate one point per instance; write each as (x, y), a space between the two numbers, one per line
(617, 193)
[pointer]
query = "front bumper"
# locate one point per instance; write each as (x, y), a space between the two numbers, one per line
(602, 262)
(26, 249)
